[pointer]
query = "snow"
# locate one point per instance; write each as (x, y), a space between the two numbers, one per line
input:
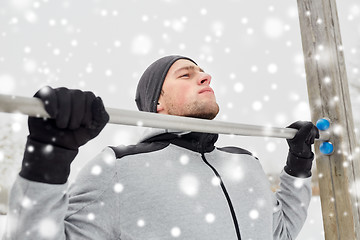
(141, 223)
(299, 182)
(31, 17)
(184, 159)
(30, 148)
(48, 148)
(274, 27)
(272, 68)
(254, 68)
(238, 87)
(26, 203)
(96, 170)
(175, 232)
(118, 187)
(256, 62)
(141, 45)
(189, 185)
(271, 146)
(257, 105)
(215, 181)
(48, 228)
(91, 216)
(8, 83)
(209, 218)
(254, 214)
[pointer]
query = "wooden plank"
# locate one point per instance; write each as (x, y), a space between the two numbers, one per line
(329, 97)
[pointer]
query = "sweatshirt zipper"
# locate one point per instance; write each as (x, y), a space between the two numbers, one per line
(236, 225)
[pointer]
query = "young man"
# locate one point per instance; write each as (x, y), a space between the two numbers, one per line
(169, 185)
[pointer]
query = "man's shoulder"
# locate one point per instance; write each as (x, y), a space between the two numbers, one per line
(235, 150)
(142, 147)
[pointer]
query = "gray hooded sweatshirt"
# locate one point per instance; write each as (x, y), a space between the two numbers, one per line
(168, 186)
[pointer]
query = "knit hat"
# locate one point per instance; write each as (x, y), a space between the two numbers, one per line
(150, 84)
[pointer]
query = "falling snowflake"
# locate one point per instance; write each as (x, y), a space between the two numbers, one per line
(91, 216)
(254, 68)
(238, 87)
(178, 25)
(8, 84)
(16, 127)
(30, 65)
(30, 148)
(189, 185)
(261, 202)
(141, 223)
(118, 187)
(302, 111)
(184, 159)
(108, 158)
(355, 188)
(234, 170)
(96, 170)
(141, 45)
(281, 119)
(74, 43)
(48, 228)
(117, 43)
(254, 214)
(270, 146)
(108, 72)
(215, 181)
(257, 106)
(203, 11)
(272, 68)
(26, 203)
(175, 232)
(218, 28)
(48, 148)
(299, 183)
(56, 51)
(210, 218)
(274, 27)
(31, 16)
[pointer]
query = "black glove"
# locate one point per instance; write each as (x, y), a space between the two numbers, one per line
(76, 118)
(300, 157)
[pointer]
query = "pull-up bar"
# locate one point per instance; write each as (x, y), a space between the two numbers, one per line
(35, 108)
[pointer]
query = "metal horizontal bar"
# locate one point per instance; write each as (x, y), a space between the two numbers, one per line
(35, 108)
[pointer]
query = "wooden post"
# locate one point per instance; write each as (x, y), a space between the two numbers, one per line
(328, 91)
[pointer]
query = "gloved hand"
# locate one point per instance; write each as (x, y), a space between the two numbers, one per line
(76, 118)
(300, 156)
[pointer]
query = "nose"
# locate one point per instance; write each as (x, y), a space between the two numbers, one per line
(204, 78)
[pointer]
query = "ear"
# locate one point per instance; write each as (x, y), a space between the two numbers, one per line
(159, 108)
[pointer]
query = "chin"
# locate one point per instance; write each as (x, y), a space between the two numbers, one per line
(208, 113)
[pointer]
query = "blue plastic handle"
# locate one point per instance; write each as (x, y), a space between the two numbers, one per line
(323, 124)
(326, 148)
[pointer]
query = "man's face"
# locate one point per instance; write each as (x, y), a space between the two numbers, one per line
(186, 92)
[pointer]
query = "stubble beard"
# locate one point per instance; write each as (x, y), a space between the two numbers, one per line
(203, 110)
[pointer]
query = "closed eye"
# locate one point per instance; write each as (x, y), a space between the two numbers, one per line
(185, 75)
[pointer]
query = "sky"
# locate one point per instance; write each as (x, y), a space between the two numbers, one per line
(252, 49)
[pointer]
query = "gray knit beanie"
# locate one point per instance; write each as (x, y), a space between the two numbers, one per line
(150, 84)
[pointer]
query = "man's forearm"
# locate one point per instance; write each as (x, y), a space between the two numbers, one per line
(36, 210)
(291, 205)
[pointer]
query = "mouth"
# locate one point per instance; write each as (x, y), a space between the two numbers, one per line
(206, 90)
